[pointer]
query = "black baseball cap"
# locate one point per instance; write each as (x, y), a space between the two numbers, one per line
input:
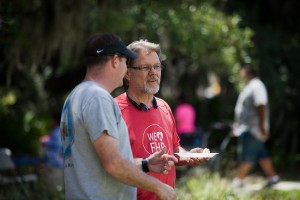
(108, 45)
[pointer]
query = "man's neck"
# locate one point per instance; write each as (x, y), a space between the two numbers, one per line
(100, 78)
(141, 98)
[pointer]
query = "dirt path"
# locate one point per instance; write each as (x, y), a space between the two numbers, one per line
(256, 183)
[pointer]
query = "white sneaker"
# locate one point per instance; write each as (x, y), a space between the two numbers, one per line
(238, 183)
(272, 180)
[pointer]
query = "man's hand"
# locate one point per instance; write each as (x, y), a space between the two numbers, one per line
(264, 133)
(233, 132)
(261, 118)
(193, 162)
(166, 192)
(159, 162)
(197, 161)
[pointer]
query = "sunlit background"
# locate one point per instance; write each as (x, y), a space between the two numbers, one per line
(203, 42)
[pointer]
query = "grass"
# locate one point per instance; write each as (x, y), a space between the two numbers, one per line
(37, 190)
(195, 184)
(29, 191)
(201, 184)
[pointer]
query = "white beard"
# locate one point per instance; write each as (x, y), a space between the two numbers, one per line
(151, 91)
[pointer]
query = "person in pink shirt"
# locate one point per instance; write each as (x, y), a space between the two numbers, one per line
(185, 116)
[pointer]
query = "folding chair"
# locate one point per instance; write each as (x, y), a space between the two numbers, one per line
(8, 171)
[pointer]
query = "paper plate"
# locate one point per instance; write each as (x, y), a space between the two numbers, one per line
(196, 155)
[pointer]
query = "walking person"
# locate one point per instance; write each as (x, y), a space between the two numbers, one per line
(252, 126)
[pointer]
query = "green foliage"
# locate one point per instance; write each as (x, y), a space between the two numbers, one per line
(209, 37)
(20, 128)
(20, 131)
(199, 184)
(282, 195)
(196, 38)
(208, 189)
(42, 44)
(31, 190)
(202, 185)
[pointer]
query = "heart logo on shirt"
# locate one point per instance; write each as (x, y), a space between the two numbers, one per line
(160, 136)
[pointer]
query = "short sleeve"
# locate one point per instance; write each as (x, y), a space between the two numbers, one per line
(260, 93)
(99, 115)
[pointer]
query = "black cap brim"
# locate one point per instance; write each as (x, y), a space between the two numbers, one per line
(108, 50)
(129, 54)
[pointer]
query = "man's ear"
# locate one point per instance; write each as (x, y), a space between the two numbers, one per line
(127, 77)
(114, 61)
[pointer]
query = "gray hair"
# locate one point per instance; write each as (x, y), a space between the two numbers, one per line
(143, 46)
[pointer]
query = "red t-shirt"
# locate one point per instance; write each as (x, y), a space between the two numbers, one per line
(148, 133)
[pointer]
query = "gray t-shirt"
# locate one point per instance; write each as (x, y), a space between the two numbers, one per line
(87, 112)
(246, 116)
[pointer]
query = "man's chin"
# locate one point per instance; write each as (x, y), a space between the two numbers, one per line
(152, 91)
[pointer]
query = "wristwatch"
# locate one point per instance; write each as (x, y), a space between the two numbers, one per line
(145, 166)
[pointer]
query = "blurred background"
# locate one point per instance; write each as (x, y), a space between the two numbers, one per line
(204, 42)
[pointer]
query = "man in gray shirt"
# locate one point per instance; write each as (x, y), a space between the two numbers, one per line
(252, 127)
(98, 161)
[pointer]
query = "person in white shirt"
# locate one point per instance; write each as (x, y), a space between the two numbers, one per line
(251, 124)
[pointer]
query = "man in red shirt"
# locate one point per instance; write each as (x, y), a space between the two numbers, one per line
(151, 124)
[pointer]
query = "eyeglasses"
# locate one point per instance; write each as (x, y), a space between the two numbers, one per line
(147, 68)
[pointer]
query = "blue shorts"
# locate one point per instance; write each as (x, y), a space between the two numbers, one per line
(251, 149)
